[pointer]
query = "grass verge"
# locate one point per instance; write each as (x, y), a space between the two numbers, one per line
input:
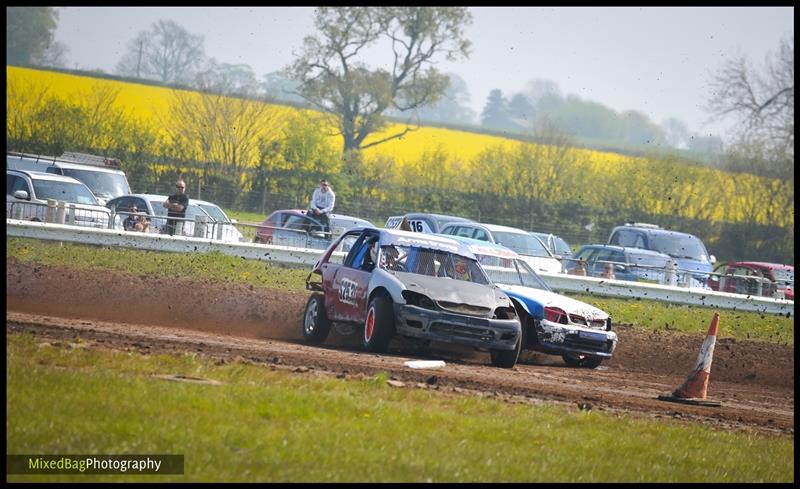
(272, 426)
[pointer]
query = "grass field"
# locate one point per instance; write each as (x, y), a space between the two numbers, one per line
(275, 426)
(216, 266)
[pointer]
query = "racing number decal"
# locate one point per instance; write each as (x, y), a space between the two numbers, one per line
(347, 291)
(418, 226)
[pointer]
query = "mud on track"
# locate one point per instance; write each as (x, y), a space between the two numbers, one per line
(754, 381)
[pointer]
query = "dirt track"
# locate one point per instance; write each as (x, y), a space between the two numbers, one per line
(754, 381)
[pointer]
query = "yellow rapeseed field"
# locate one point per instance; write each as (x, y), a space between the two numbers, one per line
(605, 177)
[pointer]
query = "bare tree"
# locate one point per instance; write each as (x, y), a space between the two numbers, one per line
(334, 79)
(167, 52)
(763, 105)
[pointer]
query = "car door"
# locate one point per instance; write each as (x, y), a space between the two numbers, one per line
(349, 283)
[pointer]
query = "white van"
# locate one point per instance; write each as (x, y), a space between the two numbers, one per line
(102, 175)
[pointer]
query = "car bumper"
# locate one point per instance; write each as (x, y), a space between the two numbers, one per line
(558, 339)
(499, 334)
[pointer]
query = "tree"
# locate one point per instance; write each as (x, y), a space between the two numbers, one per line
(496, 114)
(55, 55)
(452, 107)
(279, 85)
(232, 79)
(167, 53)
(334, 78)
(676, 132)
(521, 110)
(762, 105)
(29, 32)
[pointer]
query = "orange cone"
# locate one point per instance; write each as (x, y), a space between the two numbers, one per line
(693, 390)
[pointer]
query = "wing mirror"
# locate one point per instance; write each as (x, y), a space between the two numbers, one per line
(21, 194)
(712, 259)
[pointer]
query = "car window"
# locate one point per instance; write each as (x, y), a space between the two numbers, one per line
(624, 237)
(584, 254)
(679, 245)
(464, 231)
(438, 263)
(158, 207)
(343, 248)
(66, 191)
(783, 275)
(481, 234)
(16, 182)
(647, 259)
(122, 204)
(522, 243)
(298, 222)
(104, 184)
(215, 212)
(562, 248)
(511, 272)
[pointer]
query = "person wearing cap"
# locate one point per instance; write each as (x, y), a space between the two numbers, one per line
(322, 201)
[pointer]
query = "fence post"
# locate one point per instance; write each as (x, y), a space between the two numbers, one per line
(71, 215)
(200, 226)
(671, 274)
(218, 228)
(16, 210)
(50, 216)
(111, 218)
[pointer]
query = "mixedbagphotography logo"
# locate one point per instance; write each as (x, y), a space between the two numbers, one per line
(94, 464)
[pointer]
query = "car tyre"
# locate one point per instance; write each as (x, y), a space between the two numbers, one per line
(582, 361)
(379, 325)
(506, 358)
(316, 324)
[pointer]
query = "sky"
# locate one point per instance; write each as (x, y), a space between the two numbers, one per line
(656, 60)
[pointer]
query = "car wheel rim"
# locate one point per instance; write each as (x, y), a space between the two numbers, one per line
(311, 316)
(370, 325)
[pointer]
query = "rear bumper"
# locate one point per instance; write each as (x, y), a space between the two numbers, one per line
(416, 322)
(558, 339)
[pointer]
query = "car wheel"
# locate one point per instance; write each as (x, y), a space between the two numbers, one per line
(506, 358)
(316, 324)
(379, 325)
(582, 361)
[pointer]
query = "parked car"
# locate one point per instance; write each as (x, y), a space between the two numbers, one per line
(687, 250)
(423, 222)
(402, 283)
(551, 323)
(634, 264)
(30, 190)
(152, 205)
(103, 176)
(531, 249)
(555, 244)
(294, 227)
(754, 278)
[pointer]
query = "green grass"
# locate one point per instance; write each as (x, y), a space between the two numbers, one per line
(264, 425)
(652, 315)
(642, 314)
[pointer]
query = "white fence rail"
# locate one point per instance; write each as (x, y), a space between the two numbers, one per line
(285, 255)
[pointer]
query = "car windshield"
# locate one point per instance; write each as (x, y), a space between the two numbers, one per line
(158, 207)
(783, 276)
(647, 260)
(522, 243)
(66, 191)
(562, 248)
(436, 263)
(511, 271)
(679, 246)
(215, 212)
(102, 184)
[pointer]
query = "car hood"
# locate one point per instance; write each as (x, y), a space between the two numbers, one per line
(455, 291)
(537, 299)
(693, 265)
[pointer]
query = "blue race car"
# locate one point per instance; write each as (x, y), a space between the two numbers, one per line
(551, 323)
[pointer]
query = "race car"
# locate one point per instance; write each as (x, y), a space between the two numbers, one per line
(390, 282)
(551, 323)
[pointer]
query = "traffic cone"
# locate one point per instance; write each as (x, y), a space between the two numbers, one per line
(693, 390)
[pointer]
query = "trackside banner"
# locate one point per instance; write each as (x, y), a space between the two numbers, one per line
(94, 464)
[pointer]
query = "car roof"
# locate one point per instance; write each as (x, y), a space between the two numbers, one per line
(761, 264)
(38, 175)
(480, 247)
(505, 229)
(649, 230)
(78, 166)
(625, 249)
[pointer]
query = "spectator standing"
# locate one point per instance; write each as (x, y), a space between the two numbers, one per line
(176, 205)
(322, 201)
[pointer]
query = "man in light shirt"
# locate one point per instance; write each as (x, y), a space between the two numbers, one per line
(322, 201)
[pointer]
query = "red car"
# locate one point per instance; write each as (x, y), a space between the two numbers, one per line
(754, 278)
(294, 227)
